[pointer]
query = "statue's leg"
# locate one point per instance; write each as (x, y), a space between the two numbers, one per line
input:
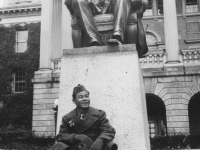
(86, 22)
(122, 9)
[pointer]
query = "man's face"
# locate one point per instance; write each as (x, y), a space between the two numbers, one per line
(82, 99)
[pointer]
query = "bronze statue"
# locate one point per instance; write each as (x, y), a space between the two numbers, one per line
(84, 10)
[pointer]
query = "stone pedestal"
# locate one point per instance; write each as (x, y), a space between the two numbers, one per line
(113, 77)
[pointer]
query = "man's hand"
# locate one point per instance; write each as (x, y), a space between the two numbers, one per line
(84, 139)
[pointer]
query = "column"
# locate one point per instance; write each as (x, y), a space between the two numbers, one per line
(66, 28)
(198, 5)
(171, 32)
(183, 6)
(46, 34)
(56, 29)
(155, 8)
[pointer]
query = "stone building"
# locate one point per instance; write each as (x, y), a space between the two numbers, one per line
(170, 69)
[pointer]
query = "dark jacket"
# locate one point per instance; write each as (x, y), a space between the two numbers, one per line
(95, 125)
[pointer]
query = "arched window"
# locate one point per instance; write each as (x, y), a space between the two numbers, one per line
(194, 114)
(156, 115)
(151, 38)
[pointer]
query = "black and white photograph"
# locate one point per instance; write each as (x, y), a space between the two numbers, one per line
(99, 74)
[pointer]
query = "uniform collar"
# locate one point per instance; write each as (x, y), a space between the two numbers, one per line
(90, 118)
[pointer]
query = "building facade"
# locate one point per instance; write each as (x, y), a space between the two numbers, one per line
(170, 69)
(19, 57)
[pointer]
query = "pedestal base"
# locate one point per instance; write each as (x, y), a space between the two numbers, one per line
(113, 77)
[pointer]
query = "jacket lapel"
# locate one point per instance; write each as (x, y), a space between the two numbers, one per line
(91, 117)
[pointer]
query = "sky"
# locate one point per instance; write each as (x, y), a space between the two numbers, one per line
(1, 3)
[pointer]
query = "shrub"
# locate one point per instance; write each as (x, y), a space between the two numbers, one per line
(176, 141)
(16, 109)
(12, 138)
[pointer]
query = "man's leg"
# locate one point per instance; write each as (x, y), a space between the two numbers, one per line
(86, 22)
(121, 10)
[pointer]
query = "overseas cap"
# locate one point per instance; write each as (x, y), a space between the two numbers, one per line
(77, 89)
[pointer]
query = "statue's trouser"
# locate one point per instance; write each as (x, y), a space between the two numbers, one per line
(121, 12)
(85, 19)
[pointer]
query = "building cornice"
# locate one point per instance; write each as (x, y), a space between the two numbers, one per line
(23, 10)
(184, 15)
(192, 41)
(20, 7)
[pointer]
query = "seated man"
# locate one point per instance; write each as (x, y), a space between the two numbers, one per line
(85, 127)
(84, 10)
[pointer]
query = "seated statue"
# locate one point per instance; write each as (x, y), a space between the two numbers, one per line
(85, 127)
(85, 10)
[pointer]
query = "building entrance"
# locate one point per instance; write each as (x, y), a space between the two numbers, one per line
(194, 113)
(156, 115)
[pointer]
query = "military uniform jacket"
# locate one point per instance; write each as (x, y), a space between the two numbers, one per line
(95, 125)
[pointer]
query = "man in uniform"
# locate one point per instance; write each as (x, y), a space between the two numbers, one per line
(85, 128)
(84, 10)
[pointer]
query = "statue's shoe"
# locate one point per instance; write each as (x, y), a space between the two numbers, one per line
(114, 42)
(95, 43)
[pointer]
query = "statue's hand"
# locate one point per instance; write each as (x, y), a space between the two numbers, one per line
(139, 6)
(145, 3)
(68, 3)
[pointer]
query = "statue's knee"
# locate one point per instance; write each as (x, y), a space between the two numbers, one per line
(80, 2)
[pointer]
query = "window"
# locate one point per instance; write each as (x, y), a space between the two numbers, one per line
(191, 6)
(155, 7)
(156, 127)
(151, 38)
(149, 10)
(152, 130)
(160, 7)
(156, 111)
(19, 82)
(21, 41)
